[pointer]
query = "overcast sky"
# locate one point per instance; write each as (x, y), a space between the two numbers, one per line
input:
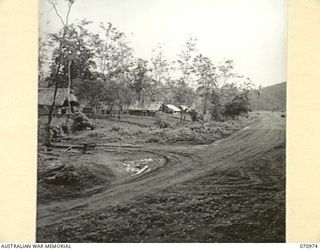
(251, 32)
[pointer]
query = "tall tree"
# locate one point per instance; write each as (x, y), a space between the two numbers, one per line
(225, 72)
(76, 55)
(91, 92)
(206, 78)
(139, 77)
(160, 72)
(160, 66)
(65, 24)
(182, 94)
(113, 53)
(225, 88)
(186, 59)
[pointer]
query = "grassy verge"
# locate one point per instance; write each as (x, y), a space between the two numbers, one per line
(139, 130)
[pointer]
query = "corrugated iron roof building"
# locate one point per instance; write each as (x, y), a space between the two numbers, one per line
(169, 108)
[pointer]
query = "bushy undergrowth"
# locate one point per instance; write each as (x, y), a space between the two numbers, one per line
(163, 128)
(161, 120)
(60, 181)
(63, 126)
(196, 132)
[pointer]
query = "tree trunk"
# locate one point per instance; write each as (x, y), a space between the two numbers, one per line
(47, 139)
(205, 104)
(69, 88)
(65, 26)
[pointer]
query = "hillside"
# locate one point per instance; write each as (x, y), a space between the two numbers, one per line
(271, 98)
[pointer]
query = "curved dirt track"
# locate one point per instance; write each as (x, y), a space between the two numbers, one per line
(181, 164)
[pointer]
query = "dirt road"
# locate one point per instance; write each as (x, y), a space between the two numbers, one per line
(250, 161)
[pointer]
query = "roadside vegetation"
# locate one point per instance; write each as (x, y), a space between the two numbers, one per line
(141, 130)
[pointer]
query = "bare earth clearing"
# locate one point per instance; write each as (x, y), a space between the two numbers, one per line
(128, 190)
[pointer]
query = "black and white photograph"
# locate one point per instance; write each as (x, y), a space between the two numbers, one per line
(161, 121)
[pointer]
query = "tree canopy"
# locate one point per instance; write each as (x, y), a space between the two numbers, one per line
(102, 67)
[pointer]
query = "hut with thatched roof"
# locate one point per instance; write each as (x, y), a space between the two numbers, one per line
(45, 100)
(140, 108)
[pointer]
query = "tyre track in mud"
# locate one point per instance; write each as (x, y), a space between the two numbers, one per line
(128, 188)
(181, 165)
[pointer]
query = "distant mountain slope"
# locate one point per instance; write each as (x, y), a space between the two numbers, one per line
(271, 98)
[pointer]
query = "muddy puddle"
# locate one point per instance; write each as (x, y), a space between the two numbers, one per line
(141, 166)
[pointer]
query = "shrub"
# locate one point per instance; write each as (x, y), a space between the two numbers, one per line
(161, 120)
(57, 132)
(81, 122)
(153, 139)
(115, 128)
(217, 112)
(66, 126)
(238, 106)
(193, 114)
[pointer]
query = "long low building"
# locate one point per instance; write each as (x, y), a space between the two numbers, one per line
(140, 108)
